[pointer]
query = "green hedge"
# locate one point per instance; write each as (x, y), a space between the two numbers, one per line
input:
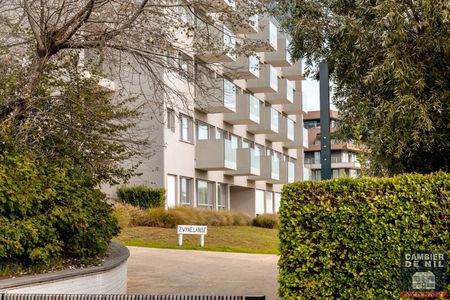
(142, 196)
(50, 212)
(343, 238)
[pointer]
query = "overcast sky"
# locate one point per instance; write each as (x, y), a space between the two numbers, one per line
(311, 100)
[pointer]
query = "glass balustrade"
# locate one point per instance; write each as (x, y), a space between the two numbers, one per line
(275, 166)
(273, 77)
(229, 95)
(290, 129)
(230, 154)
(274, 120)
(291, 172)
(255, 160)
(253, 65)
(289, 91)
(273, 35)
(255, 105)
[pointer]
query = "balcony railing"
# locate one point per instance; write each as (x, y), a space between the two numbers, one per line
(269, 122)
(214, 45)
(285, 131)
(267, 81)
(248, 110)
(296, 107)
(291, 172)
(281, 57)
(293, 72)
(297, 141)
(219, 96)
(270, 170)
(248, 163)
(249, 27)
(213, 155)
(266, 37)
(245, 67)
(285, 94)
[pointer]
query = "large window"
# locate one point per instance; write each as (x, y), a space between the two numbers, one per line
(171, 119)
(205, 194)
(222, 196)
(202, 131)
(186, 128)
(185, 191)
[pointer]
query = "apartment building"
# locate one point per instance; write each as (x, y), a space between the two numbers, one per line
(241, 138)
(344, 156)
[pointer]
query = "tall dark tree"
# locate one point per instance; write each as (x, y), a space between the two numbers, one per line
(390, 62)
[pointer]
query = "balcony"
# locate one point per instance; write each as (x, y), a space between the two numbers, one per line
(214, 45)
(215, 155)
(296, 107)
(285, 94)
(270, 170)
(245, 67)
(293, 72)
(248, 111)
(285, 133)
(297, 138)
(250, 27)
(248, 163)
(218, 96)
(269, 122)
(267, 81)
(281, 57)
(266, 39)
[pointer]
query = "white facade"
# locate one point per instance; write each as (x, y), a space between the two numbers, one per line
(235, 147)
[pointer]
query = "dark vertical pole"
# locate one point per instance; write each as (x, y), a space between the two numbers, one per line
(325, 145)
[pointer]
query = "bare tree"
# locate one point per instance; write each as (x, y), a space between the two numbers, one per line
(146, 45)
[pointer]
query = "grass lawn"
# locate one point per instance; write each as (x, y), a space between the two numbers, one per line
(244, 239)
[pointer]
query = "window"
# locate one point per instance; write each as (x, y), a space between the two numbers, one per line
(221, 134)
(277, 202)
(171, 191)
(311, 124)
(202, 131)
(234, 141)
(185, 66)
(205, 194)
(185, 191)
(269, 203)
(247, 144)
(171, 119)
(259, 202)
(222, 196)
(186, 129)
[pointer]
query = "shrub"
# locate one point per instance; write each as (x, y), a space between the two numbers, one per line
(142, 196)
(266, 221)
(343, 238)
(159, 217)
(50, 211)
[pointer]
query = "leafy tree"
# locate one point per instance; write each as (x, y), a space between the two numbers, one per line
(390, 62)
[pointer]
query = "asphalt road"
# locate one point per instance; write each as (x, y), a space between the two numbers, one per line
(167, 271)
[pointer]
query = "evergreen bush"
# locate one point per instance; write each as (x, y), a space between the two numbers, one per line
(343, 238)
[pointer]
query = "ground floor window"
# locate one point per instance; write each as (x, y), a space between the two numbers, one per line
(171, 191)
(205, 194)
(269, 203)
(185, 191)
(259, 202)
(222, 196)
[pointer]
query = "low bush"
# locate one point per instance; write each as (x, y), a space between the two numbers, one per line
(159, 217)
(343, 238)
(50, 212)
(266, 221)
(142, 196)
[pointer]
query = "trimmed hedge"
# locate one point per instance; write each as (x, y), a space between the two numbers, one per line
(142, 196)
(343, 238)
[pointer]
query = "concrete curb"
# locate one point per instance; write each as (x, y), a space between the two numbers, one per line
(117, 254)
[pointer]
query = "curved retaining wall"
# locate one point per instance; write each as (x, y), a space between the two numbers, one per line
(109, 278)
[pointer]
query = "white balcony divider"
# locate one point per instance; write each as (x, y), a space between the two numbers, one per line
(248, 110)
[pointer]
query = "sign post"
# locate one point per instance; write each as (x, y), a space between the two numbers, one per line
(192, 229)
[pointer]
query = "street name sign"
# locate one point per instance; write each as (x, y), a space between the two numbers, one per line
(192, 229)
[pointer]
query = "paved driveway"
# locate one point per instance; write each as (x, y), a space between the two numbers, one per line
(167, 271)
